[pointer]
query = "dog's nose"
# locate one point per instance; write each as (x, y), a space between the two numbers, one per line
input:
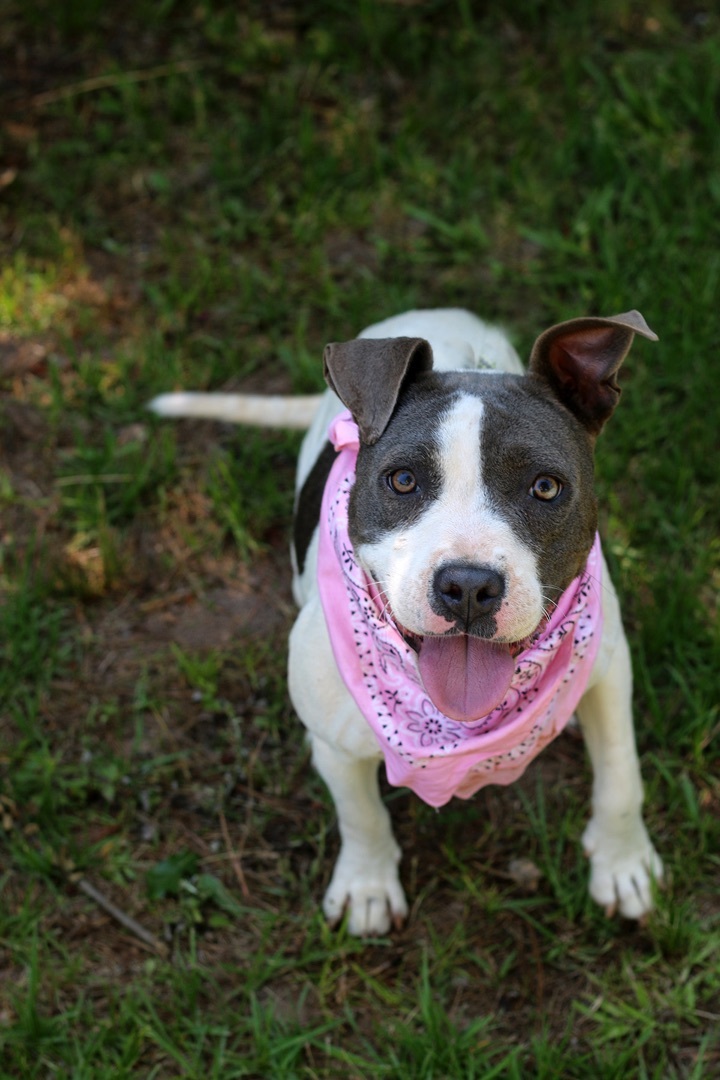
(466, 593)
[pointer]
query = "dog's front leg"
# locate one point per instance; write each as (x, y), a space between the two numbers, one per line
(622, 858)
(365, 880)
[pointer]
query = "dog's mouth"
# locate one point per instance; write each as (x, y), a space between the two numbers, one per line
(466, 677)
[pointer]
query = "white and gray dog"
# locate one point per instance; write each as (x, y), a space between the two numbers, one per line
(455, 607)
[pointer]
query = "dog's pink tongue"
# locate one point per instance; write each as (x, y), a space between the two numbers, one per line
(466, 677)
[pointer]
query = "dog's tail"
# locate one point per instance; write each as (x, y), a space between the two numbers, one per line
(272, 410)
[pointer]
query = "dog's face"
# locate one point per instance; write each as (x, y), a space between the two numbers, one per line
(482, 473)
(473, 507)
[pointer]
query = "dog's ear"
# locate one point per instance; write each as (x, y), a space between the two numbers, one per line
(367, 374)
(580, 360)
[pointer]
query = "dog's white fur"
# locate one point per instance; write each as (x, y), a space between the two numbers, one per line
(365, 883)
(261, 409)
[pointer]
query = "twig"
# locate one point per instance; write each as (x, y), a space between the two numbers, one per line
(93, 478)
(103, 82)
(234, 860)
(122, 917)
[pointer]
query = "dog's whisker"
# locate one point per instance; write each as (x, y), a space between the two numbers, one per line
(383, 604)
(549, 602)
(382, 597)
(599, 583)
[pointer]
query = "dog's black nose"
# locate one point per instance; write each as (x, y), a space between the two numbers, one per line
(466, 593)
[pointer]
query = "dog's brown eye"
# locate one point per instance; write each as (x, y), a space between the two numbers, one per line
(546, 488)
(403, 481)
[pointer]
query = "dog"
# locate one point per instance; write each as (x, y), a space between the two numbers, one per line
(455, 609)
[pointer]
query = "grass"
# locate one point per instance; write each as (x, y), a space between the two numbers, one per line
(202, 195)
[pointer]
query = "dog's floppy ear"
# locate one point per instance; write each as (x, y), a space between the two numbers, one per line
(367, 374)
(580, 360)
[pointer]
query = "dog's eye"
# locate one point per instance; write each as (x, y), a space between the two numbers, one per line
(545, 488)
(402, 481)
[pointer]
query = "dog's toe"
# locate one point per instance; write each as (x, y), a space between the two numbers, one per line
(369, 914)
(334, 909)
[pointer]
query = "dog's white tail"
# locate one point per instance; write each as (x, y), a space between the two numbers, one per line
(272, 410)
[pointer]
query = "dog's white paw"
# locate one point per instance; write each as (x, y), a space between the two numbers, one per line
(623, 866)
(369, 891)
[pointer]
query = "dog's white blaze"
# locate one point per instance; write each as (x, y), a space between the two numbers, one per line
(460, 525)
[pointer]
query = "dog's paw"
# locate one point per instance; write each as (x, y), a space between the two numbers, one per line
(369, 892)
(623, 867)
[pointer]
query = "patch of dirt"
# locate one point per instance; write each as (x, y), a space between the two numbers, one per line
(219, 617)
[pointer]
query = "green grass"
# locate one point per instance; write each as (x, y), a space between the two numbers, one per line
(202, 195)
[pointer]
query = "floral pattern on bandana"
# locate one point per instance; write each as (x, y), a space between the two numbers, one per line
(425, 750)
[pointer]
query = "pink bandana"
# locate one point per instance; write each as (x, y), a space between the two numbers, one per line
(425, 750)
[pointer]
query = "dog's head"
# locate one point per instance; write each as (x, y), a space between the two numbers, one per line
(473, 506)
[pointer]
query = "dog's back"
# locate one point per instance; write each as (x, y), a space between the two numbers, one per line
(459, 341)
